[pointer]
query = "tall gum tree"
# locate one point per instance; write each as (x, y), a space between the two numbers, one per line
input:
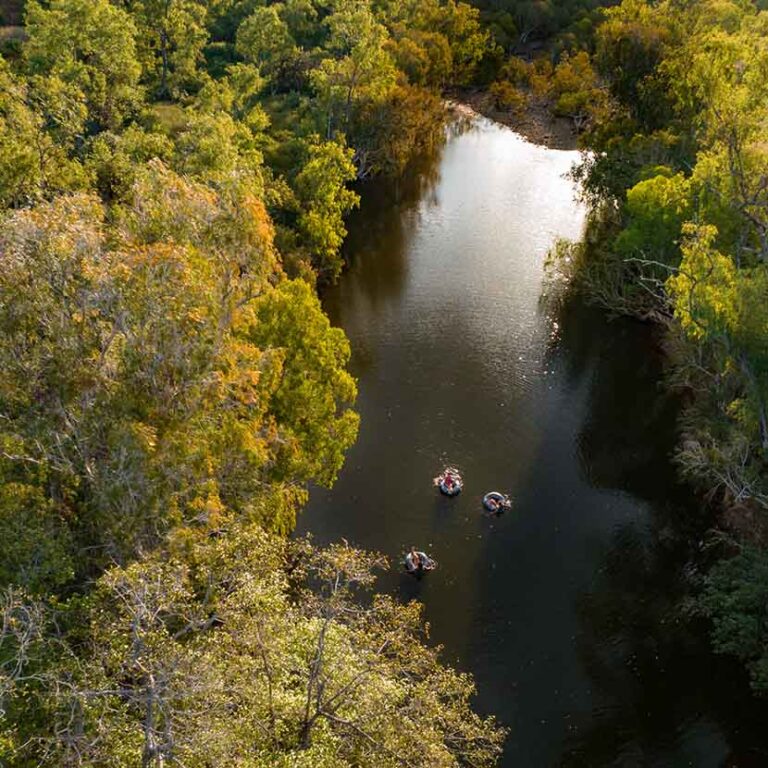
(171, 35)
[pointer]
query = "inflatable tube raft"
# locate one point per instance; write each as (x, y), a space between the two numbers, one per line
(496, 502)
(456, 483)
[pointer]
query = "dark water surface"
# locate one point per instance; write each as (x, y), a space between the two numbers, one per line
(566, 610)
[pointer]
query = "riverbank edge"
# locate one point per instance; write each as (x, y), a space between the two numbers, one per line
(535, 122)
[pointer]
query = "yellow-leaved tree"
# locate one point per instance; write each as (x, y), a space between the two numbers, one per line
(159, 370)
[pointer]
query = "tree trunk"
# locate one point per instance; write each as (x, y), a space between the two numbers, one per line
(164, 55)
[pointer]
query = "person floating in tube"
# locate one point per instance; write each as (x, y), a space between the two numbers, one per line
(449, 481)
(416, 562)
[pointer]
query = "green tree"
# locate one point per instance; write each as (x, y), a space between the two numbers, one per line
(89, 44)
(575, 89)
(360, 69)
(736, 599)
(265, 39)
(425, 57)
(33, 164)
(724, 310)
(37, 552)
(115, 159)
(209, 147)
(460, 23)
(171, 36)
(321, 188)
(631, 46)
(314, 383)
(135, 390)
(656, 210)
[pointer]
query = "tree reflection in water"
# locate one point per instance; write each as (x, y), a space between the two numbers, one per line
(648, 659)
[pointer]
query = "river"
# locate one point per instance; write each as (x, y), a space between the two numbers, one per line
(567, 610)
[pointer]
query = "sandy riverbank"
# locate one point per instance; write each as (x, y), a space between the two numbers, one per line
(536, 123)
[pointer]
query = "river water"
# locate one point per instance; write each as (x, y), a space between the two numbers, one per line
(567, 610)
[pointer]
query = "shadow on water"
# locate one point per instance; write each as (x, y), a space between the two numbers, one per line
(381, 227)
(567, 610)
(629, 433)
(663, 699)
(635, 683)
(661, 694)
(379, 231)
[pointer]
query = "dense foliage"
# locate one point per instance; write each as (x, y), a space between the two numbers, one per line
(678, 181)
(159, 371)
(174, 180)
